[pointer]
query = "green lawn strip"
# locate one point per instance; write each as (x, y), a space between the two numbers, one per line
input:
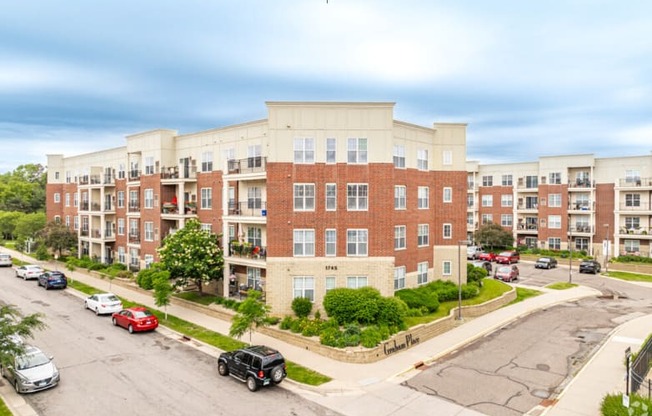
(295, 371)
(561, 285)
(204, 299)
(632, 277)
(523, 293)
(4, 410)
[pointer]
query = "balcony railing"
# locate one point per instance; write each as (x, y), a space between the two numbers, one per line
(170, 208)
(254, 208)
(95, 180)
(581, 183)
(247, 250)
(83, 206)
(134, 175)
(83, 180)
(631, 207)
(527, 227)
(108, 206)
(248, 165)
(528, 206)
(95, 206)
(580, 206)
(134, 207)
(636, 231)
(134, 238)
(83, 233)
(627, 182)
(96, 233)
(582, 228)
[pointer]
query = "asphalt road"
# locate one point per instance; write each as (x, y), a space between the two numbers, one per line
(107, 371)
(513, 369)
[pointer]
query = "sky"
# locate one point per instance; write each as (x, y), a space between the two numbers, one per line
(530, 78)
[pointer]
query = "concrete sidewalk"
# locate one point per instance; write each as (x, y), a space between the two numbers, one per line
(362, 389)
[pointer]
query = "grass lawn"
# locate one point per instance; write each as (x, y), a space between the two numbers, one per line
(522, 294)
(204, 299)
(4, 411)
(561, 285)
(632, 277)
(295, 371)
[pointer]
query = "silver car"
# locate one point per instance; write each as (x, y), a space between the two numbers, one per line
(32, 371)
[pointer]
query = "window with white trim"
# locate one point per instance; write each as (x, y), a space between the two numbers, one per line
(487, 200)
(121, 199)
(400, 197)
(422, 159)
(207, 227)
(357, 195)
(304, 150)
(399, 277)
(75, 222)
(149, 198)
(422, 273)
(423, 235)
(487, 219)
(355, 282)
(255, 236)
(329, 283)
(469, 218)
(206, 198)
(207, 161)
(554, 243)
(75, 199)
(331, 197)
(632, 200)
(506, 200)
(423, 197)
(554, 221)
(149, 230)
(121, 226)
(57, 198)
(632, 223)
(330, 238)
(304, 287)
(399, 156)
(331, 150)
(448, 195)
(254, 197)
(122, 256)
(304, 196)
(488, 180)
(304, 243)
(399, 237)
(447, 157)
(632, 246)
(149, 165)
(554, 200)
(67, 220)
(356, 242)
(254, 156)
(506, 180)
(555, 178)
(357, 150)
(448, 231)
(447, 268)
(506, 220)
(67, 199)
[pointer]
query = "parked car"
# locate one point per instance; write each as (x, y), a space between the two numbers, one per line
(103, 303)
(5, 260)
(135, 319)
(31, 371)
(257, 366)
(487, 256)
(29, 271)
(484, 264)
(53, 279)
(507, 273)
(590, 266)
(472, 252)
(546, 263)
(508, 257)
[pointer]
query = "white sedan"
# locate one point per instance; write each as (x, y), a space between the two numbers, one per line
(29, 271)
(103, 303)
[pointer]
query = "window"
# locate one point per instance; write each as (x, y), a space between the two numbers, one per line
(422, 159)
(133, 257)
(632, 246)
(487, 181)
(121, 171)
(487, 219)
(206, 198)
(447, 268)
(447, 156)
(470, 201)
(507, 180)
(304, 150)
(331, 150)
(422, 273)
(56, 175)
(67, 220)
(121, 199)
(399, 237)
(57, 198)
(149, 198)
(254, 197)
(304, 243)
(632, 223)
(206, 226)
(423, 197)
(555, 178)
(121, 226)
(633, 177)
(554, 243)
(399, 156)
(357, 195)
(67, 199)
(355, 282)
(149, 231)
(304, 197)
(469, 218)
(531, 181)
(356, 242)
(133, 228)
(506, 200)
(448, 194)
(506, 220)
(329, 283)
(304, 287)
(75, 222)
(122, 258)
(331, 197)
(554, 221)
(330, 239)
(581, 244)
(632, 200)
(229, 157)
(487, 200)
(149, 165)
(57, 219)
(448, 231)
(399, 277)
(253, 278)
(554, 200)
(400, 197)
(254, 156)
(75, 199)
(423, 235)
(133, 200)
(357, 150)
(255, 236)
(68, 176)
(207, 161)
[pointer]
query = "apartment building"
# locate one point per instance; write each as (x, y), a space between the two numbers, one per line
(600, 205)
(316, 196)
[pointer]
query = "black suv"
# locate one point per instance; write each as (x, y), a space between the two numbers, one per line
(257, 366)
(589, 266)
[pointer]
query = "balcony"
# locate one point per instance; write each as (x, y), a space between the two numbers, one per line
(247, 250)
(134, 238)
(635, 183)
(628, 206)
(636, 232)
(169, 208)
(83, 206)
(83, 233)
(527, 207)
(134, 175)
(83, 180)
(95, 206)
(581, 183)
(95, 180)
(580, 206)
(582, 229)
(134, 207)
(254, 208)
(109, 179)
(248, 165)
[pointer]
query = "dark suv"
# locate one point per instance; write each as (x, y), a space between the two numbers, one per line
(589, 266)
(257, 366)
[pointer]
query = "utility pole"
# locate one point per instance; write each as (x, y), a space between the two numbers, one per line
(606, 258)
(570, 251)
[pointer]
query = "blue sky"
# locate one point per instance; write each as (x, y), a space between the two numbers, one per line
(530, 78)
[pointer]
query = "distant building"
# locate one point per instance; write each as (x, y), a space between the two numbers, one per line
(579, 200)
(318, 195)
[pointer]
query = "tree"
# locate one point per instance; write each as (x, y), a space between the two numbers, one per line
(192, 254)
(8, 224)
(493, 235)
(59, 237)
(23, 189)
(12, 324)
(162, 290)
(251, 314)
(28, 226)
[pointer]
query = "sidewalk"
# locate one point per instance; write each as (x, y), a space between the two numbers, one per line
(361, 389)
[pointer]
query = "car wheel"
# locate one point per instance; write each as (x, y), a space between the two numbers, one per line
(97, 311)
(222, 369)
(251, 383)
(114, 321)
(130, 329)
(86, 305)
(17, 386)
(277, 374)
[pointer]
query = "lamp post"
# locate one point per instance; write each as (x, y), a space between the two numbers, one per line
(459, 278)
(606, 257)
(570, 251)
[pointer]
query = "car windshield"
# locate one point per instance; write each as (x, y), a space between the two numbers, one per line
(505, 253)
(34, 268)
(31, 360)
(544, 260)
(109, 298)
(142, 314)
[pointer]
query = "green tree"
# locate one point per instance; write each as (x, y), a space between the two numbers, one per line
(493, 235)
(162, 290)
(8, 223)
(29, 226)
(23, 189)
(12, 323)
(192, 254)
(59, 237)
(252, 313)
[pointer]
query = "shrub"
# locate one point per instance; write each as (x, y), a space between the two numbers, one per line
(297, 325)
(370, 337)
(352, 305)
(272, 320)
(147, 277)
(301, 307)
(470, 291)
(391, 311)
(329, 336)
(286, 323)
(612, 405)
(351, 335)
(311, 328)
(419, 298)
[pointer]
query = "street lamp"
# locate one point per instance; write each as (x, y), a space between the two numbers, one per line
(570, 251)
(459, 278)
(606, 258)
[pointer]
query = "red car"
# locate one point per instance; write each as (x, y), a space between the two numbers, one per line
(507, 273)
(135, 319)
(508, 257)
(487, 256)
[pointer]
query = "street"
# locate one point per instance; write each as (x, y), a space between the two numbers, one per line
(107, 371)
